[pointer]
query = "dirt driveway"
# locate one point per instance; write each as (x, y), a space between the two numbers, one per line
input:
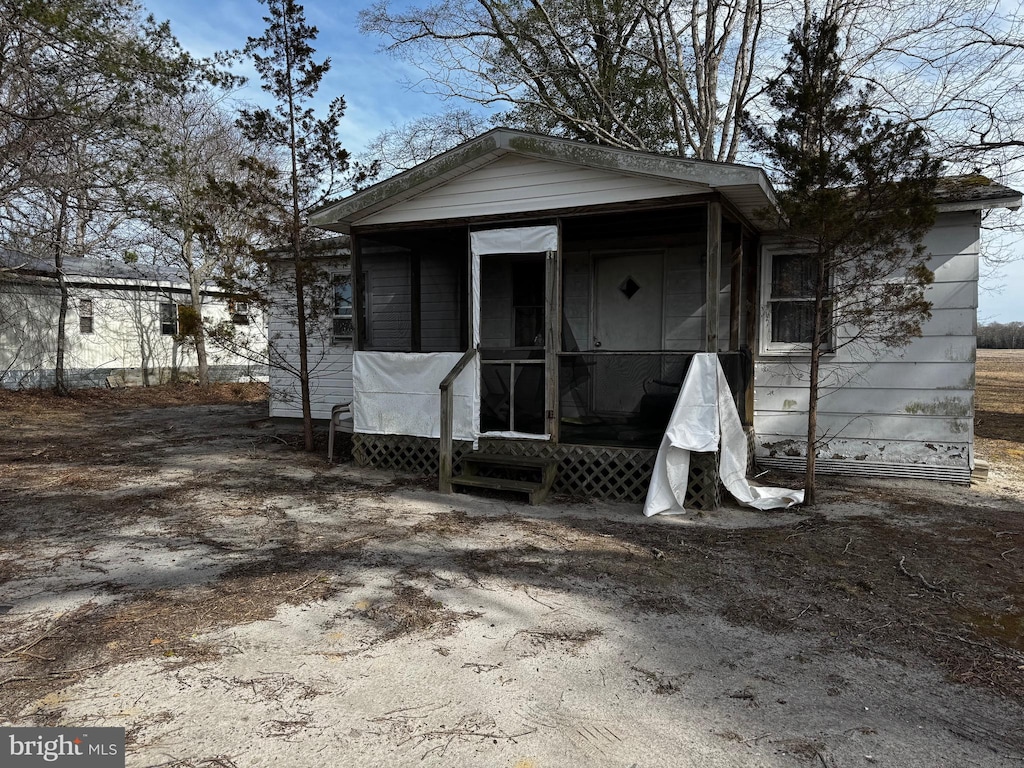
(184, 573)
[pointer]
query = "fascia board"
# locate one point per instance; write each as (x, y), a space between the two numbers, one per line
(1012, 203)
(342, 215)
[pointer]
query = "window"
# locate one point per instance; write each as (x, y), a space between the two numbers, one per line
(168, 319)
(342, 329)
(789, 282)
(85, 315)
(239, 311)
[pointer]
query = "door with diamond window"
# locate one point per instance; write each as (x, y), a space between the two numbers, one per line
(627, 307)
(627, 318)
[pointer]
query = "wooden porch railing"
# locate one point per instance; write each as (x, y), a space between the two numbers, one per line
(444, 459)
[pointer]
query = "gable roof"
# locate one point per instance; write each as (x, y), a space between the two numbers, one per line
(747, 188)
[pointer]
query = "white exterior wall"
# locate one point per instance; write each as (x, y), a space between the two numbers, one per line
(330, 365)
(909, 410)
(513, 184)
(126, 336)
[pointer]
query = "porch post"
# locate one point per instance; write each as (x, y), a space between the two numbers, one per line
(736, 293)
(713, 279)
(553, 340)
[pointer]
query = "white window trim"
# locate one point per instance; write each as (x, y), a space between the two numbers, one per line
(767, 346)
(174, 312)
(348, 340)
(239, 312)
(84, 304)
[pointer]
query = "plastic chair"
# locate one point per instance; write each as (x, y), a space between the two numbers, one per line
(341, 420)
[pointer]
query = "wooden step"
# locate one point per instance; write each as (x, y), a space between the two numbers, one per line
(497, 459)
(497, 483)
(537, 487)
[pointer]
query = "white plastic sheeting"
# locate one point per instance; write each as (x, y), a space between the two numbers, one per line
(398, 393)
(703, 420)
(514, 240)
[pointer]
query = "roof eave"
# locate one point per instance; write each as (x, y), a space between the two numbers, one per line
(342, 215)
(1011, 202)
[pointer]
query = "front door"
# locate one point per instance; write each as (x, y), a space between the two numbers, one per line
(628, 301)
(627, 318)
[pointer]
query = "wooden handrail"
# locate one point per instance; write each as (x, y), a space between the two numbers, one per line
(444, 459)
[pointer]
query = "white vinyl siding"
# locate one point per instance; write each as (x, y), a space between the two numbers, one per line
(896, 406)
(513, 184)
(123, 339)
(330, 366)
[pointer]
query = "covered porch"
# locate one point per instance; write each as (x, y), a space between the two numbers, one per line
(585, 342)
(537, 297)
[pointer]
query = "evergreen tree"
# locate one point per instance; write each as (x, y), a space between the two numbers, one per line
(858, 197)
(314, 160)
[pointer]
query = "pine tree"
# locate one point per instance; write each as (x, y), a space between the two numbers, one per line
(858, 197)
(312, 151)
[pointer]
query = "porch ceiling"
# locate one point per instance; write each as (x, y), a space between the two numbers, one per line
(653, 176)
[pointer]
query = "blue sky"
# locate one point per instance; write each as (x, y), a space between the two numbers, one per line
(376, 91)
(371, 82)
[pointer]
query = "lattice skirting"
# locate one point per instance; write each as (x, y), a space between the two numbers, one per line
(592, 471)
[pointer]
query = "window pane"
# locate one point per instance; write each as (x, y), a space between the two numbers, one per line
(168, 319)
(793, 276)
(343, 296)
(343, 328)
(85, 324)
(793, 321)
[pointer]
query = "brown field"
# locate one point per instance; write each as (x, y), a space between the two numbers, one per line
(999, 408)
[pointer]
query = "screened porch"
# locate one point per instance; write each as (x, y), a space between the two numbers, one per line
(585, 342)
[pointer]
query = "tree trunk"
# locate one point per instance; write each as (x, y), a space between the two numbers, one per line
(60, 384)
(300, 306)
(819, 330)
(200, 332)
(300, 294)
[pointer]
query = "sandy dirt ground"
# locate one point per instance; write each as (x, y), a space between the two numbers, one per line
(183, 572)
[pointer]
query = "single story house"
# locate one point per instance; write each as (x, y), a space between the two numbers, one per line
(122, 324)
(558, 291)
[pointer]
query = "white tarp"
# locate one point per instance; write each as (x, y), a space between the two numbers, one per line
(398, 393)
(514, 240)
(703, 420)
